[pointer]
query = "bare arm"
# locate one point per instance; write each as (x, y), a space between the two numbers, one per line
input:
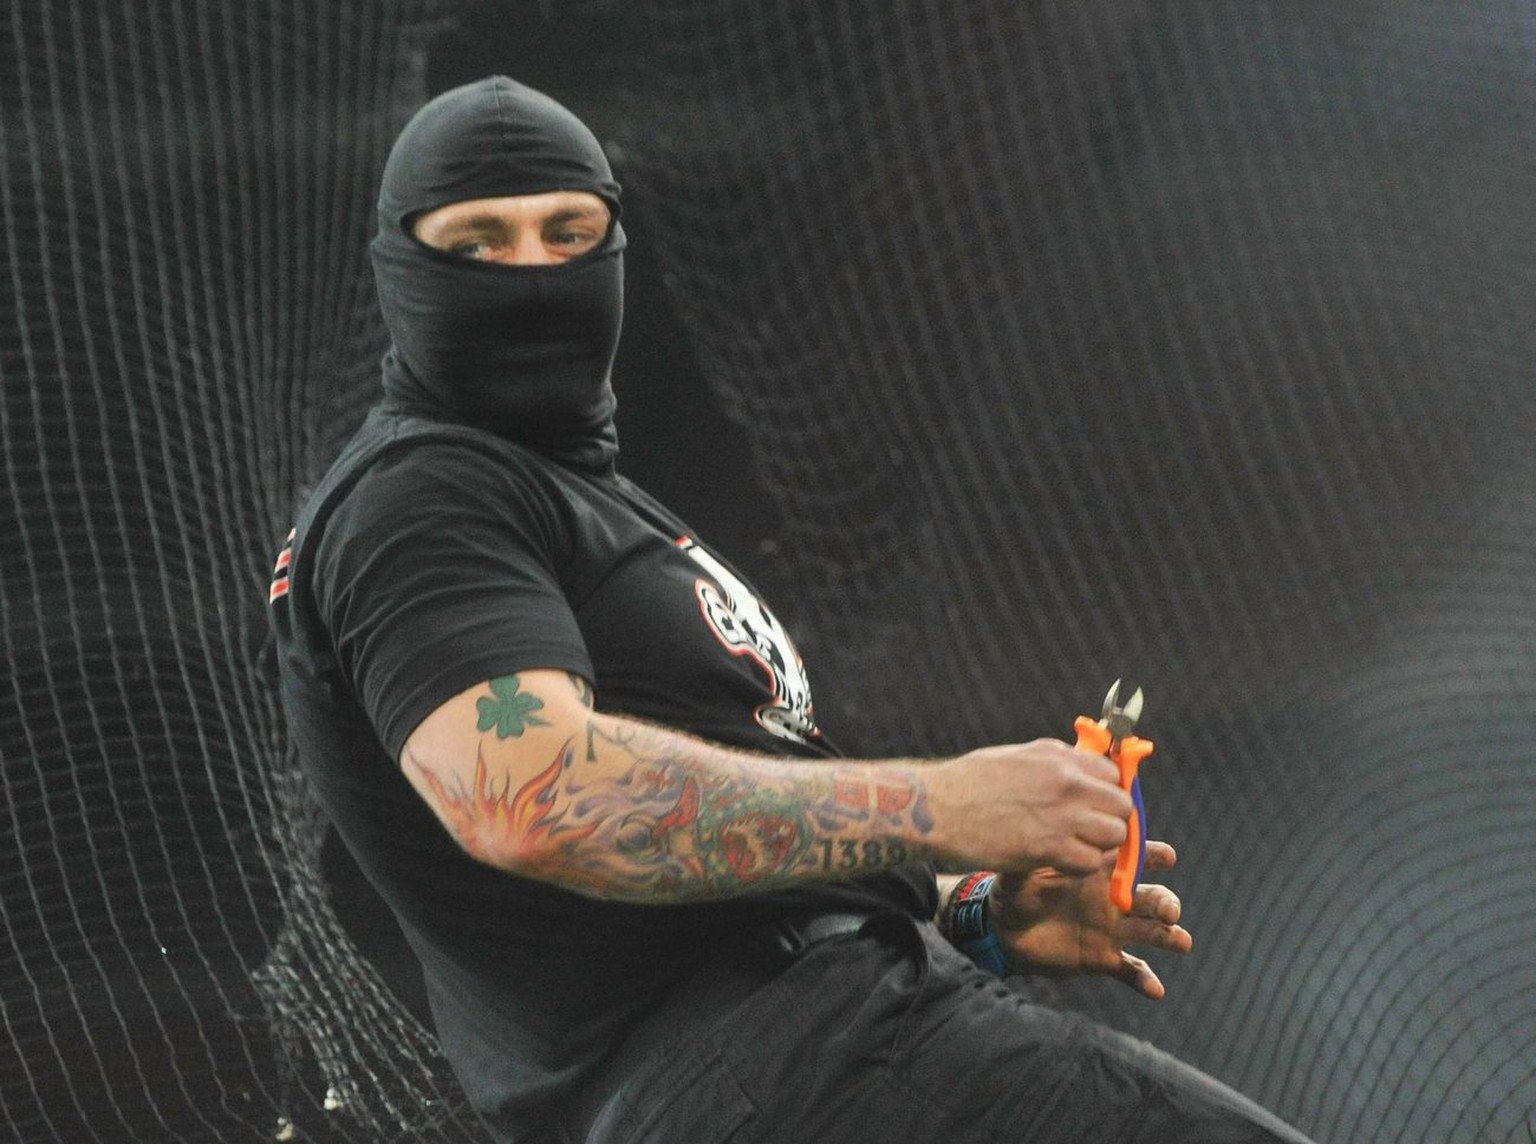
(528, 778)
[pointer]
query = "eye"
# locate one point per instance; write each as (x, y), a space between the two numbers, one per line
(574, 239)
(468, 248)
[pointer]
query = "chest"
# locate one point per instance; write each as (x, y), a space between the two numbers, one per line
(676, 635)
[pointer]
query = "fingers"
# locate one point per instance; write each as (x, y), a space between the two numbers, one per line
(1160, 856)
(1096, 786)
(1030, 804)
(1096, 809)
(1140, 976)
(1099, 778)
(1158, 903)
(1153, 921)
(1080, 856)
(1153, 924)
(1104, 810)
(1099, 767)
(1155, 935)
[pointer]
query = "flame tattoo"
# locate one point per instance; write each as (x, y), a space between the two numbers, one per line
(491, 818)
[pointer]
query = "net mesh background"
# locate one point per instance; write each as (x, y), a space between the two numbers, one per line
(1189, 343)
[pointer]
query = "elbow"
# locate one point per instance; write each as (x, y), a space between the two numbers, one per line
(516, 834)
(485, 847)
(560, 862)
(491, 840)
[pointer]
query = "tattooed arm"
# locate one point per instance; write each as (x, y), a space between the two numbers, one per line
(527, 777)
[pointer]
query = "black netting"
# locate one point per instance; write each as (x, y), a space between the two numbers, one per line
(1186, 342)
(190, 332)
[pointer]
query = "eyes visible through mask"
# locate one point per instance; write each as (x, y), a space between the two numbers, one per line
(518, 230)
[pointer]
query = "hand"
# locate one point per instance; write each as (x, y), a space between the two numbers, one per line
(1059, 924)
(1027, 805)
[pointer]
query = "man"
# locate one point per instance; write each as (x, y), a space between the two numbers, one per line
(579, 758)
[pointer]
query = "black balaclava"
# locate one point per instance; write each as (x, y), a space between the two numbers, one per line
(524, 351)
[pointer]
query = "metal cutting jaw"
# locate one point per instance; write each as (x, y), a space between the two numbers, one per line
(1121, 720)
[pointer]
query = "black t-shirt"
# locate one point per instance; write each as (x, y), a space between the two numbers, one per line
(434, 557)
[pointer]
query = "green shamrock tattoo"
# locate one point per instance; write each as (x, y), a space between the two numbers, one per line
(510, 711)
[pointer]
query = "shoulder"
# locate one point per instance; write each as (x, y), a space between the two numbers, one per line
(406, 491)
(452, 471)
(402, 471)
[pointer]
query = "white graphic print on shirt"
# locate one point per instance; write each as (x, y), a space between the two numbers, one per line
(741, 622)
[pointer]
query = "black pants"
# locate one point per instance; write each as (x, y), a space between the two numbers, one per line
(892, 1037)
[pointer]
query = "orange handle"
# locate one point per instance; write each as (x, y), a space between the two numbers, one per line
(1094, 736)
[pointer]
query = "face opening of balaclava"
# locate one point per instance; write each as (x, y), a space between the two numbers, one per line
(523, 351)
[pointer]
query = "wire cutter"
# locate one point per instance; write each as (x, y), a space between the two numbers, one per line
(1111, 735)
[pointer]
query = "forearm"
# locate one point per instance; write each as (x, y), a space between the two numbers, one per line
(627, 811)
(529, 778)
